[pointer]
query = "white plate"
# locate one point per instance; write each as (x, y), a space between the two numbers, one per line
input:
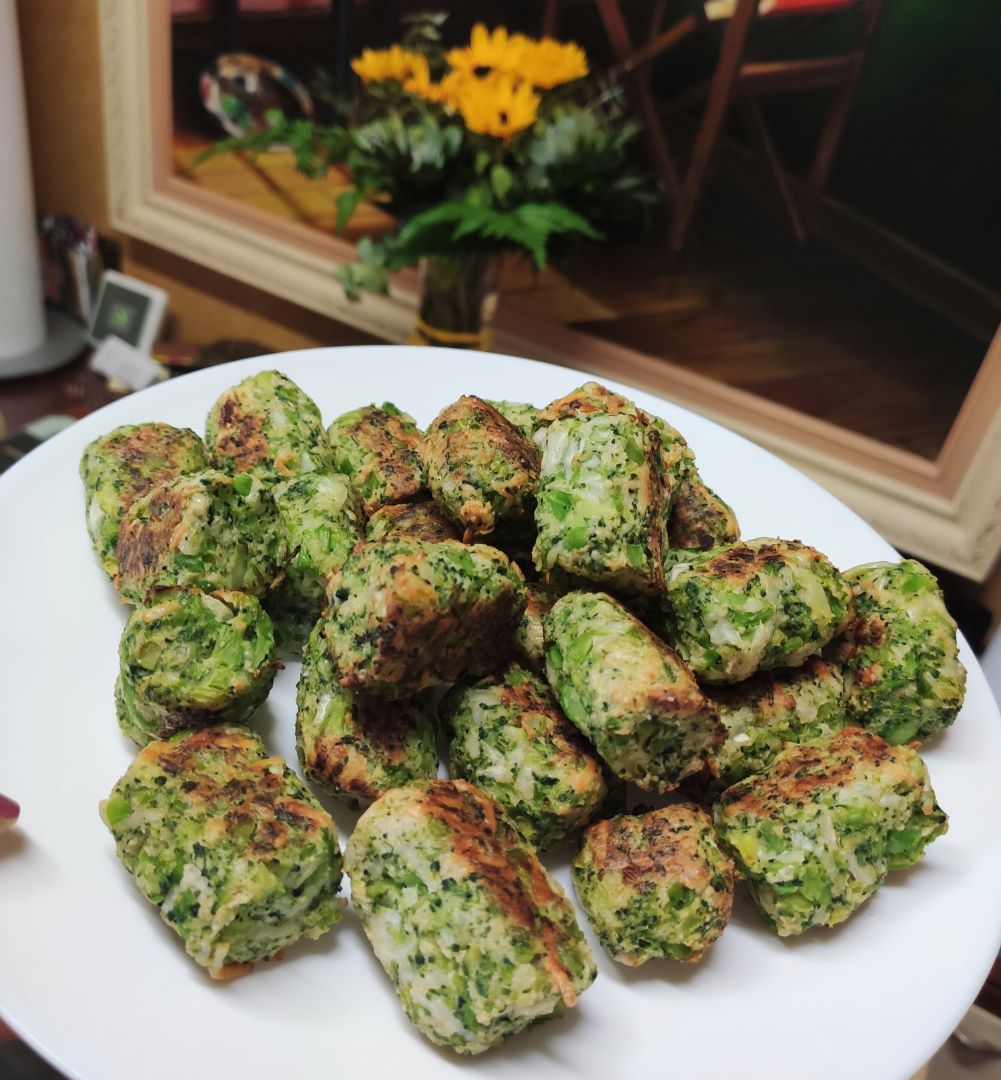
(93, 979)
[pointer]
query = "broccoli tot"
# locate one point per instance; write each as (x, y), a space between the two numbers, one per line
(601, 503)
(376, 449)
(766, 712)
(422, 520)
(358, 747)
(902, 660)
(229, 844)
(478, 940)
(408, 615)
(322, 521)
(509, 738)
(815, 835)
(122, 466)
(655, 884)
(628, 692)
(752, 606)
(268, 427)
(192, 659)
(480, 468)
(205, 531)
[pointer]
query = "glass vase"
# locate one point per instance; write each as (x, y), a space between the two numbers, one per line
(458, 299)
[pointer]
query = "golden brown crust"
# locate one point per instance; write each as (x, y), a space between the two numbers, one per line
(391, 446)
(338, 761)
(700, 520)
(740, 562)
(240, 436)
(141, 543)
(422, 520)
(255, 799)
(136, 450)
(805, 769)
(659, 843)
(590, 398)
(511, 873)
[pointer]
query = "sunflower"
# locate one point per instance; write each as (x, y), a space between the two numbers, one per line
(500, 105)
(488, 52)
(377, 65)
(547, 63)
(420, 85)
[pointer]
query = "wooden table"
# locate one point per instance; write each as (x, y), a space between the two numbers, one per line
(73, 390)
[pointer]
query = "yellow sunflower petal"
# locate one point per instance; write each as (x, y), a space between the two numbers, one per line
(547, 63)
(377, 65)
(488, 51)
(499, 106)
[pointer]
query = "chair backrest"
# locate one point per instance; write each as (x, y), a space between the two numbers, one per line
(724, 9)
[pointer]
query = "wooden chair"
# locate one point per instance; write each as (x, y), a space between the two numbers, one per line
(739, 76)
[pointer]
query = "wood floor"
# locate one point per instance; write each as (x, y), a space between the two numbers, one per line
(797, 324)
(744, 304)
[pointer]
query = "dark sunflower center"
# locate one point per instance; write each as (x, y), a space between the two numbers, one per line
(502, 116)
(481, 72)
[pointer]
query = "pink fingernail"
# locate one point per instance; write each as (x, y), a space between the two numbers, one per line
(9, 810)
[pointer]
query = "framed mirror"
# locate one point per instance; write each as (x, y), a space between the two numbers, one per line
(939, 498)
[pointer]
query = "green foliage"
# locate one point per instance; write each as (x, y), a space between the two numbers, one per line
(457, 227)
(370, 273)
(423, 31)
(408, 163)
(453, 192)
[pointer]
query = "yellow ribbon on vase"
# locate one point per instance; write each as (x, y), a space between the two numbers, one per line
(426, 334)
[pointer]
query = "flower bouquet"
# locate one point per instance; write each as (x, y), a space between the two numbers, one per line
(503, 144)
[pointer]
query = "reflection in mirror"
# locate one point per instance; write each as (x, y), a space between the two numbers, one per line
(852, 332)
(865, 354)
(231, 63)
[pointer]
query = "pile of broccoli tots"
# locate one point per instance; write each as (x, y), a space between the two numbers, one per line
(557, 597)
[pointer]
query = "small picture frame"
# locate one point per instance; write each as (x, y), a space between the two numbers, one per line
(129, 309)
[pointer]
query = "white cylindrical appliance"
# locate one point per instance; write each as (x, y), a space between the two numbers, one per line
(29, 342)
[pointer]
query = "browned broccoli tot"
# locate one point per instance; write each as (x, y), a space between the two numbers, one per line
(122, 466)
(754, 605)
(509, 738)
(815, 835)
(478, 940)
(655, 885)
(902, 659)
(480, 468)
(229, 844)
(354, 746)
(376, 449)
(628, 692)
(268, 427)
(408, 615)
